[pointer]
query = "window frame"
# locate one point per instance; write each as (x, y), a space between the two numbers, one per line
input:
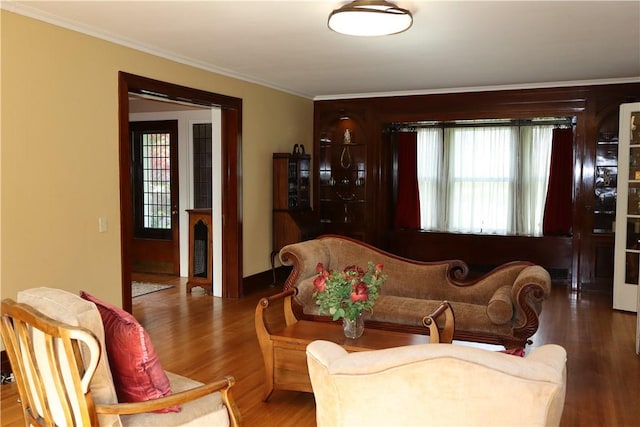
(443, 224)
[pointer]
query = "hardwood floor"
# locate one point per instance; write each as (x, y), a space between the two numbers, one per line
(206, 338)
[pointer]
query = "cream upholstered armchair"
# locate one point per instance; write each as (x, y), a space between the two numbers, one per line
(56, 345)
(436, 384)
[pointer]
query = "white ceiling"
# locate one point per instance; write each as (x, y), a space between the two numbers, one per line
(452, 46)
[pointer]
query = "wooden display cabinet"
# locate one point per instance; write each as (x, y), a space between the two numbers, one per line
(342, 177)
(293, 218)
(291, 181)
(605, 182)
(597, 273)
(200, 250)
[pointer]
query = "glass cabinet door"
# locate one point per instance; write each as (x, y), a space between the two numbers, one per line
(627, 237)
(606, 171)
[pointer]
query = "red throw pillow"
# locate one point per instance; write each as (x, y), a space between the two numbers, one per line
(137, 373)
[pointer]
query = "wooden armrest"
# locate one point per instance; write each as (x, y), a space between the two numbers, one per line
(449, 324)
(268, 300)
(222, 386)
(263, 331)
(264, 303)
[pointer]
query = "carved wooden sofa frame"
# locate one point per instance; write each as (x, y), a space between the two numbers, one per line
(511, 294)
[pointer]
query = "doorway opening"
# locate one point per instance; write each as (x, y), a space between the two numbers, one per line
(227, 200)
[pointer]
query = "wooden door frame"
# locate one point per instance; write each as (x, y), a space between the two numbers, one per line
(231, 110)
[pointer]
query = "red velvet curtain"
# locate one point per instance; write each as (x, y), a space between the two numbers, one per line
(558, 206)
(408, 201)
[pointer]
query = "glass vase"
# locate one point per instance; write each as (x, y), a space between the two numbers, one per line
(353, 328)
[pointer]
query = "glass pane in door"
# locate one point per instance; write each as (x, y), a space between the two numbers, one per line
(631, 271)
(156, 180)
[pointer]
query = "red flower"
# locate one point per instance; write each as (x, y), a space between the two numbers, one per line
(379, 266)
(360, 292)
(319, 283)
(351, 271)
(320, 268)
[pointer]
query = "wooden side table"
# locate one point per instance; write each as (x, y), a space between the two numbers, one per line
(284, 351)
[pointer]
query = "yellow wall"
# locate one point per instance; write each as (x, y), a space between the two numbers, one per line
(59, 154)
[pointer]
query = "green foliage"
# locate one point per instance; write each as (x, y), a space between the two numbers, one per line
(346, 293)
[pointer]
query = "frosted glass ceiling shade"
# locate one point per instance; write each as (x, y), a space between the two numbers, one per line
(370, 18)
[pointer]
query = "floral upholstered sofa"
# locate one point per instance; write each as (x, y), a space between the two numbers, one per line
(501, 307)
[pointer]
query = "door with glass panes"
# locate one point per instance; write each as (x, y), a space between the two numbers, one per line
(627, 236)
(155, 246)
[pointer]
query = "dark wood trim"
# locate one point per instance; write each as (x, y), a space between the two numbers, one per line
(232, 173)
(484, 252)
(126, 202)
(232, 202)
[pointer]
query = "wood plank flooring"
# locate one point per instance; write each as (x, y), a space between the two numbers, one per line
(206, 338)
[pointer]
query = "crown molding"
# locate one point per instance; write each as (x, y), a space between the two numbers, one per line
(544, 85)
(30, 12)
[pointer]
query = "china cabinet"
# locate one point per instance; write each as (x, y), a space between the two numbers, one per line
(598, 274)
(293, 218)
(291, 181)
(342, 177)
(606, 171)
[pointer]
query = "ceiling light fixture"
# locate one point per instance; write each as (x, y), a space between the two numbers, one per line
(370, 18)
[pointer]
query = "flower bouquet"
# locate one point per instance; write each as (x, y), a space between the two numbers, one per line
(346, 294)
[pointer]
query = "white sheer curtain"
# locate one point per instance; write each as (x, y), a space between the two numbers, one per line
(481, 175)
(535, 143)
(490, 180)
(430, 182)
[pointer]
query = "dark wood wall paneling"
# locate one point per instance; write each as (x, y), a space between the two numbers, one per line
(585, 255)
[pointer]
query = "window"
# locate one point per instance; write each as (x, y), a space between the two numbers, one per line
(156, 180)
(202, 172)
(484, 177)
(154, 160)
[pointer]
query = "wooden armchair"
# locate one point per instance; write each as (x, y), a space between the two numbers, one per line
(54, 364)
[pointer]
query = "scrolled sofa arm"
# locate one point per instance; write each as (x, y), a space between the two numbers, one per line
(304, 257)
(531, 287)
